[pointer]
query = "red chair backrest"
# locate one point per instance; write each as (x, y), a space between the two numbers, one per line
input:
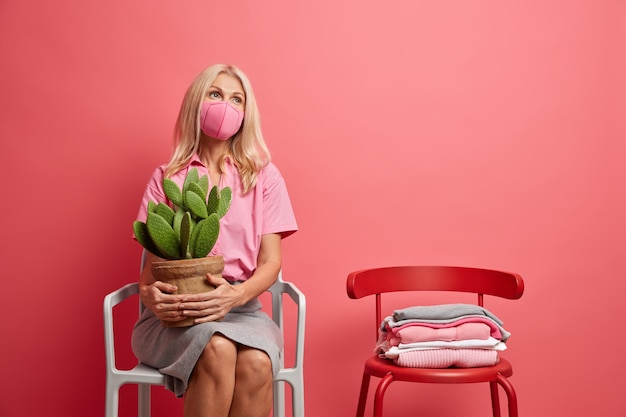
(377, 281)
(434, 278)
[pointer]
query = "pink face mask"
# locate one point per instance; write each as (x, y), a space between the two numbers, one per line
(220, 119)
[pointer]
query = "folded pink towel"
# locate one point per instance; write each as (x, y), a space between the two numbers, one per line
(445, 358)
(419, 333)
(493, 328)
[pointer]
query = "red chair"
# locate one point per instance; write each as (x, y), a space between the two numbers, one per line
(434, 278)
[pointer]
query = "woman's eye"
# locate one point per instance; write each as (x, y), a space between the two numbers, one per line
(237, 100)
(214, 94)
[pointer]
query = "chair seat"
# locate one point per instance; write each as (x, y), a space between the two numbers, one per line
(379, 367)
(148, 374)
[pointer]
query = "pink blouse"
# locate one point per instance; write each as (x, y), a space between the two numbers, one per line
(264, 209)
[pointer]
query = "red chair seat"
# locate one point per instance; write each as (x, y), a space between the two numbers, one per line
(379, 367)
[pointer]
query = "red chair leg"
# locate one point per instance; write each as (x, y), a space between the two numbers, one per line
(495, 400)
(380, 393)
(510, 394)
(365, 383)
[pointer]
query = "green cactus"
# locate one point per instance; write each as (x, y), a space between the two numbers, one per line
(191, 228)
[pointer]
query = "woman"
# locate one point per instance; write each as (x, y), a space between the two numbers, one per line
(224, 364)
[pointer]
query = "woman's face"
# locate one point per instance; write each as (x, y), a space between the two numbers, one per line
(227, 88)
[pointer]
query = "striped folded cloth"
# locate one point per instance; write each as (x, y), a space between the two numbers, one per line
(445, 358)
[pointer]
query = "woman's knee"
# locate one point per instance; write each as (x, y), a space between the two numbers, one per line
(254, 365)
(218, 353)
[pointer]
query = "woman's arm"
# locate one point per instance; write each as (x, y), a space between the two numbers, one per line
(268, 266)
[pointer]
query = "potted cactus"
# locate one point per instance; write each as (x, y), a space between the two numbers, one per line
(183, 235)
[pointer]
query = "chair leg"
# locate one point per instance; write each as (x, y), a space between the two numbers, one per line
(143, 396)
(510, 394)
(495, 400)
(380, 393)
(297, 402)
(365, 383)
(279, 399)
(112, 401)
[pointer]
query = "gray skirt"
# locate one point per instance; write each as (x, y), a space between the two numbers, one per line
(175, 351)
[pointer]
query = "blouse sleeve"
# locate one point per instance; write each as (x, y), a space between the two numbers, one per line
(278, 216)
(154, 192)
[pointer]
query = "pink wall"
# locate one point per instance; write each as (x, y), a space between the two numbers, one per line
(459, 132)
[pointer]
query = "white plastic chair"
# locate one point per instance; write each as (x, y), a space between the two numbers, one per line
(145, 376)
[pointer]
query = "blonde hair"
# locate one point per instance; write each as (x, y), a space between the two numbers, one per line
(247, 150)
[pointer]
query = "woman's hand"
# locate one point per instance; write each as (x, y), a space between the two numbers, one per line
(212, 305)
(158, 297)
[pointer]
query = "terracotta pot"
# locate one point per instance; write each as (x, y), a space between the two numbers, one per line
(189, 275)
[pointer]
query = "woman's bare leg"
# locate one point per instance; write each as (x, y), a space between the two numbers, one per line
(253, 384)
(212, 382)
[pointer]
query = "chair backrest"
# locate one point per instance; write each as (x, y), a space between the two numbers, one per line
(377, 281)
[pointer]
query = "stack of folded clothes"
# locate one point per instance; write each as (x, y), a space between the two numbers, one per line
(442, 336)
